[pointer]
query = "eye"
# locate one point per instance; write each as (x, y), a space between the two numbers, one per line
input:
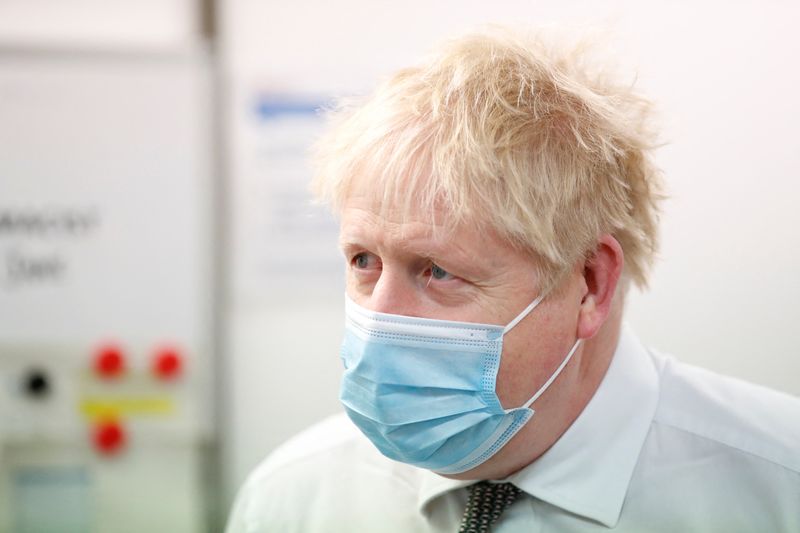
(439, 273)
(364, 261)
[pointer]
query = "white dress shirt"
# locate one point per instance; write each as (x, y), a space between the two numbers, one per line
(661, 447)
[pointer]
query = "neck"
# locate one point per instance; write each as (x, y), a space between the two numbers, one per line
(585, 379)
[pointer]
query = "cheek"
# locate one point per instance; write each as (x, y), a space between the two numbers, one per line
(519, 372)
(530, 356)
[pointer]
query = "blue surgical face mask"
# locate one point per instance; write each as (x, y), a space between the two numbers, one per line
(424, 390)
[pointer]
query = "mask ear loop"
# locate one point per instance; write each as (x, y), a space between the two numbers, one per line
(555, 374)
(523, 314)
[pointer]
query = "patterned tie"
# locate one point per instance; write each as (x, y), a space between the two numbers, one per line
(486, 502)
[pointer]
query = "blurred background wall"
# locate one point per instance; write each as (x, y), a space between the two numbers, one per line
(153, 173)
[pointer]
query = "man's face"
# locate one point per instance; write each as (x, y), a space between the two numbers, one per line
(466, 275)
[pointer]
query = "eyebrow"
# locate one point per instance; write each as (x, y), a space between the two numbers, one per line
(426, 248)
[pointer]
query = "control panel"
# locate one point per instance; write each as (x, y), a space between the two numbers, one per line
(106, 293)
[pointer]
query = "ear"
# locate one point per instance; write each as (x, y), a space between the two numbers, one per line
(601, 273)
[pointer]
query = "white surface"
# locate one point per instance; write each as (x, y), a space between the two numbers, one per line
(101, 24)
(723, 291)
(153, 488)
(136, 170)
(281, 240)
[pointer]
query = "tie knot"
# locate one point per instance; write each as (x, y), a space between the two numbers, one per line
(486, 503)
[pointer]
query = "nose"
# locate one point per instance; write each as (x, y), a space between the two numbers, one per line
(394, 293)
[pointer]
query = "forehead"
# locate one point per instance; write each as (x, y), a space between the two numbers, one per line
(365, 213)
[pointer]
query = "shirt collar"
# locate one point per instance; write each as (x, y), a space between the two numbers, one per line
(587, 471)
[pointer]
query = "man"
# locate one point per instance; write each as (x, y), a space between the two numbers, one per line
(496, 202)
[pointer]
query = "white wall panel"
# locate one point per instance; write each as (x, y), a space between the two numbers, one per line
(104, 24)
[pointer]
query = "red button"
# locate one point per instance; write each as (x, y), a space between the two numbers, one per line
(109, 437)
(167, 364)
(109, 362)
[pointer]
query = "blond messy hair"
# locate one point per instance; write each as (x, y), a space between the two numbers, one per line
(512, 135)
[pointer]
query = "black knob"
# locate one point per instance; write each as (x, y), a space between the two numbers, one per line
(36, 383)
